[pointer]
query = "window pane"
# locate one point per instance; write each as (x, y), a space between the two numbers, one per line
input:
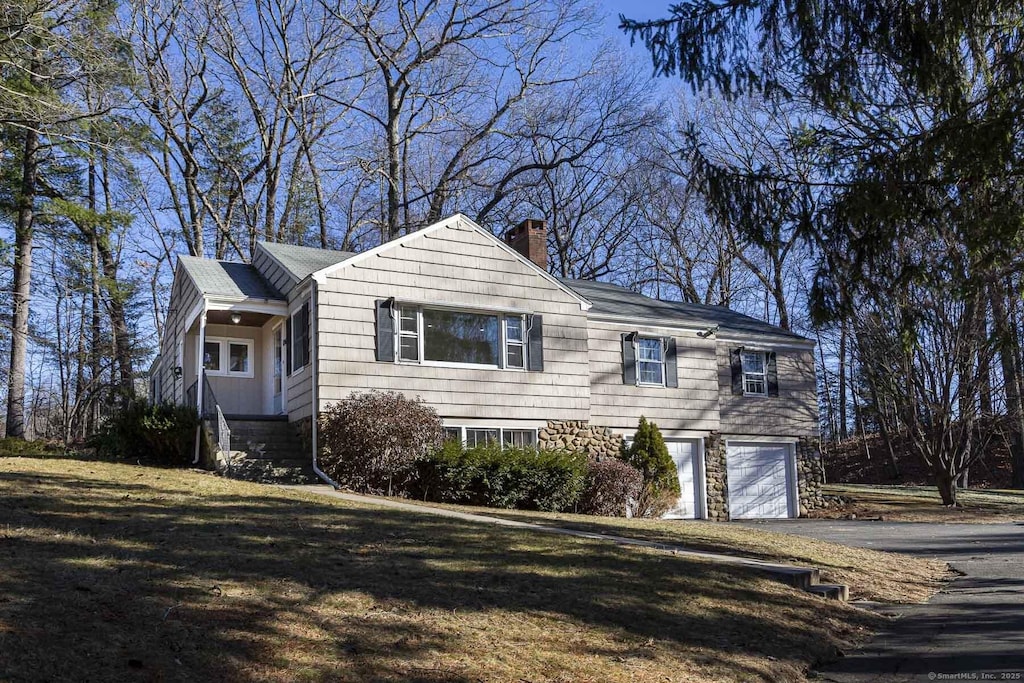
(408, 348)
(650, 349)
(650, 372)
(514, 329)
(407, 322)
(753, 362)
(519, 437)
(238, 358)
(456, 337)
(453, 434)
(478, 437)
(211, 356)
(515, 355)
(754, 386)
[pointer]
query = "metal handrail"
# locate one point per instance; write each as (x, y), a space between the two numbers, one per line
(213, 414)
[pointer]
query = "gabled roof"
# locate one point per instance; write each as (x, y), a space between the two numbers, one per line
(618, 302)
(300, 262)
(457, 219)
(228, 279)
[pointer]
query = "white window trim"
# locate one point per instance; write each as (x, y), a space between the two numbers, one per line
(506, 342)
(637, 360)
(396, 317)
(501, 432)
(225, 358)
(763, 375)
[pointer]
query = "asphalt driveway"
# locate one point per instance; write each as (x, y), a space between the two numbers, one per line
(973, 630)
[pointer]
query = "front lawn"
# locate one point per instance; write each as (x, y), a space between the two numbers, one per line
(870, 574)
(115, 572)
(922, 504)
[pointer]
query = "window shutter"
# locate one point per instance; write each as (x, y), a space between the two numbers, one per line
(671, 369)
(307, 335)
(772, 372)
(289, 333)
(385, 330)
(535, 343)
(628, 359)
(736, 365)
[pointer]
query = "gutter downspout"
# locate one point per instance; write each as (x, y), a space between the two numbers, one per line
(314, 318)
(200, 376)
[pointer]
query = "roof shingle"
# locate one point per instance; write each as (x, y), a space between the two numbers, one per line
(300, 262)
(613, 300)
(227, 278)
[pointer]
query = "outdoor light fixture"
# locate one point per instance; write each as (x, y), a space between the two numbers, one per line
(236, 318)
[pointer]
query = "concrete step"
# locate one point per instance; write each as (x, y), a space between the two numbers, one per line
(831, 591)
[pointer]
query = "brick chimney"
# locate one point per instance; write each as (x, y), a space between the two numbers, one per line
(530, 238)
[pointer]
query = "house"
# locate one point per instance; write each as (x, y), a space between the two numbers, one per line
(476, 327)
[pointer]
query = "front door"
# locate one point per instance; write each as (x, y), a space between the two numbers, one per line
(279, 369)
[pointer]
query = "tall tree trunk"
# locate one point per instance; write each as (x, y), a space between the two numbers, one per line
(22, 286)
(843, 430)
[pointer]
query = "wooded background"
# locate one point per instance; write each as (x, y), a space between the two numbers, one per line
(850, 172)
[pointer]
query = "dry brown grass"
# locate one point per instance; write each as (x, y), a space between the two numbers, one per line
(870, 574)
(922, 504)
(114, 572)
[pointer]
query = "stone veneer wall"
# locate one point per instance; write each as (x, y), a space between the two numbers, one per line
(581, 437)
(717, 477)
(304, 429)
(810, 474)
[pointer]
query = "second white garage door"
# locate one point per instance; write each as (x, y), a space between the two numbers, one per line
(760, 481)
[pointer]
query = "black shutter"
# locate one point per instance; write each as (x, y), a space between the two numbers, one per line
(736, 365)
(385, 330)
(288, 333)
(671, 369)
(772, 372)
(307, 335)
(628, 359)
(535, 343)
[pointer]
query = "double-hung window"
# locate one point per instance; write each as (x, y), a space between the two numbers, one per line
(447, 336)
(408, 334)
(754, 373)
(515, 349)
(650, 361)
(228, 357)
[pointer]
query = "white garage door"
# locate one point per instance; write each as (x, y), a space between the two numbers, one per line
(759, 480)
(686, 455)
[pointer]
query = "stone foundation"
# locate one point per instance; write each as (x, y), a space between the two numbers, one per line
(304, 430)
(717, 477)
(578, 436)
(810, 474)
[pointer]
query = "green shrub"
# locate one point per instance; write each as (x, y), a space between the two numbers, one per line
(511, 478)
(611, 486)
(649, 454)
(160, 434)
(12, 447)
(371, 440)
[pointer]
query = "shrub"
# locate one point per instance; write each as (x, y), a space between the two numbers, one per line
(371, 440)
(649, 454)
(520, 478)
(611, 486)
(14, 447)
(157, 433)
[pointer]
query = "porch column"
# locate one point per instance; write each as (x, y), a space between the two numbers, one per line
(200, 366)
